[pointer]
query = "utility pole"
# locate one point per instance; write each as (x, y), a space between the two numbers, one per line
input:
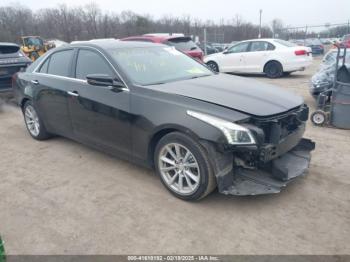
(260, 11)
(348, 26)
(305, 34)
(205, 41)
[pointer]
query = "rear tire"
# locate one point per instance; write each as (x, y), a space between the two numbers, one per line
(273, 69)
(33, 122)
(195, 170)
(213, 66)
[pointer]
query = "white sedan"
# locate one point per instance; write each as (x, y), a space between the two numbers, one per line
(272, 57)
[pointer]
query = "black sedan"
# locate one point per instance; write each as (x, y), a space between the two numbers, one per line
(12, 60)
(155, 106)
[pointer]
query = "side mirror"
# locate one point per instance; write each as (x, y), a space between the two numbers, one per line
(104, 80)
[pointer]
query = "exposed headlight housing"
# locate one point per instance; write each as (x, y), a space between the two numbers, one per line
(235, 134)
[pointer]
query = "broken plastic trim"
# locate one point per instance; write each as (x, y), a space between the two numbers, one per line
(286, 168)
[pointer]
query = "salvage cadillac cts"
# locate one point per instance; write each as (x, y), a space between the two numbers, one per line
(155, 106)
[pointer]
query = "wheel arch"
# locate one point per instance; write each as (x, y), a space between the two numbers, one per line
(23, 101)
(162, 131)
(215, 62)
(272, 60)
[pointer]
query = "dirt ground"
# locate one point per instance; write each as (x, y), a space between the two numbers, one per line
(59, 197)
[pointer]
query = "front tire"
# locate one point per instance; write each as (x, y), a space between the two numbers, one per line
(213, 66)
(273, 69)
(183, 166)
(34, 123)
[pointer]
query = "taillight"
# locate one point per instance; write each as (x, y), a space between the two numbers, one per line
(300, 52)
(201, 57)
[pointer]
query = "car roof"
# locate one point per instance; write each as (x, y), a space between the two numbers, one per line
(113, 44)
(254, 40)
(158, 38)
(36, 36)
(258, 39)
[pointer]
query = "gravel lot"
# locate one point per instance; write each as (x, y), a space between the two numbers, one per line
(59, 197)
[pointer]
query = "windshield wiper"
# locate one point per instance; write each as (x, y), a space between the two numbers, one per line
(194, 77)
(154, 84)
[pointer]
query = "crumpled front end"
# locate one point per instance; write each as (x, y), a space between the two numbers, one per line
(281, 156)
(271, 178)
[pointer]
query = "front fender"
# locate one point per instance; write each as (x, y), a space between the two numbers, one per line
(157, 113)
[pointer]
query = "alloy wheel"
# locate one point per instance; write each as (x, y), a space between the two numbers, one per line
(32, 120)
(213, 66)
(179, 169)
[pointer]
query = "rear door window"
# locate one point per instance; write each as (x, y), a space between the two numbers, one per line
(89, 62)
(60, 63)
(261, 46)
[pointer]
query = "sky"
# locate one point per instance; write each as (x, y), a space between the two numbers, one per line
(291, 12)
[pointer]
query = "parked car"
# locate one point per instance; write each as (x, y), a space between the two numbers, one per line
(323, 79)
(272, 57)
(219, 47)
(12, 60)
(153, 105)
(326, 41)
(346, 40)
(298, 42)
(181, 43)
(210, 49)
(316, 46)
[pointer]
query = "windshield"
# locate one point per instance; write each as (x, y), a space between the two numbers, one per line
(157, 65)
(285, 43)
(331, 57)
(182, 43)
(33, 41)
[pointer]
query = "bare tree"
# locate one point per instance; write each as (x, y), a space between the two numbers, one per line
(87, 22)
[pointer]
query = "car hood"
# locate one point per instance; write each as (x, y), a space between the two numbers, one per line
(239, 93)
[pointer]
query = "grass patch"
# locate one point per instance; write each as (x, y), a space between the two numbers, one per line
(2, 251)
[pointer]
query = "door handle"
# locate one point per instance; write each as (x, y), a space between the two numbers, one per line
(35, 82)
(73, 93)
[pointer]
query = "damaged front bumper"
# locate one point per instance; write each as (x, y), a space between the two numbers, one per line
(270, 178)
